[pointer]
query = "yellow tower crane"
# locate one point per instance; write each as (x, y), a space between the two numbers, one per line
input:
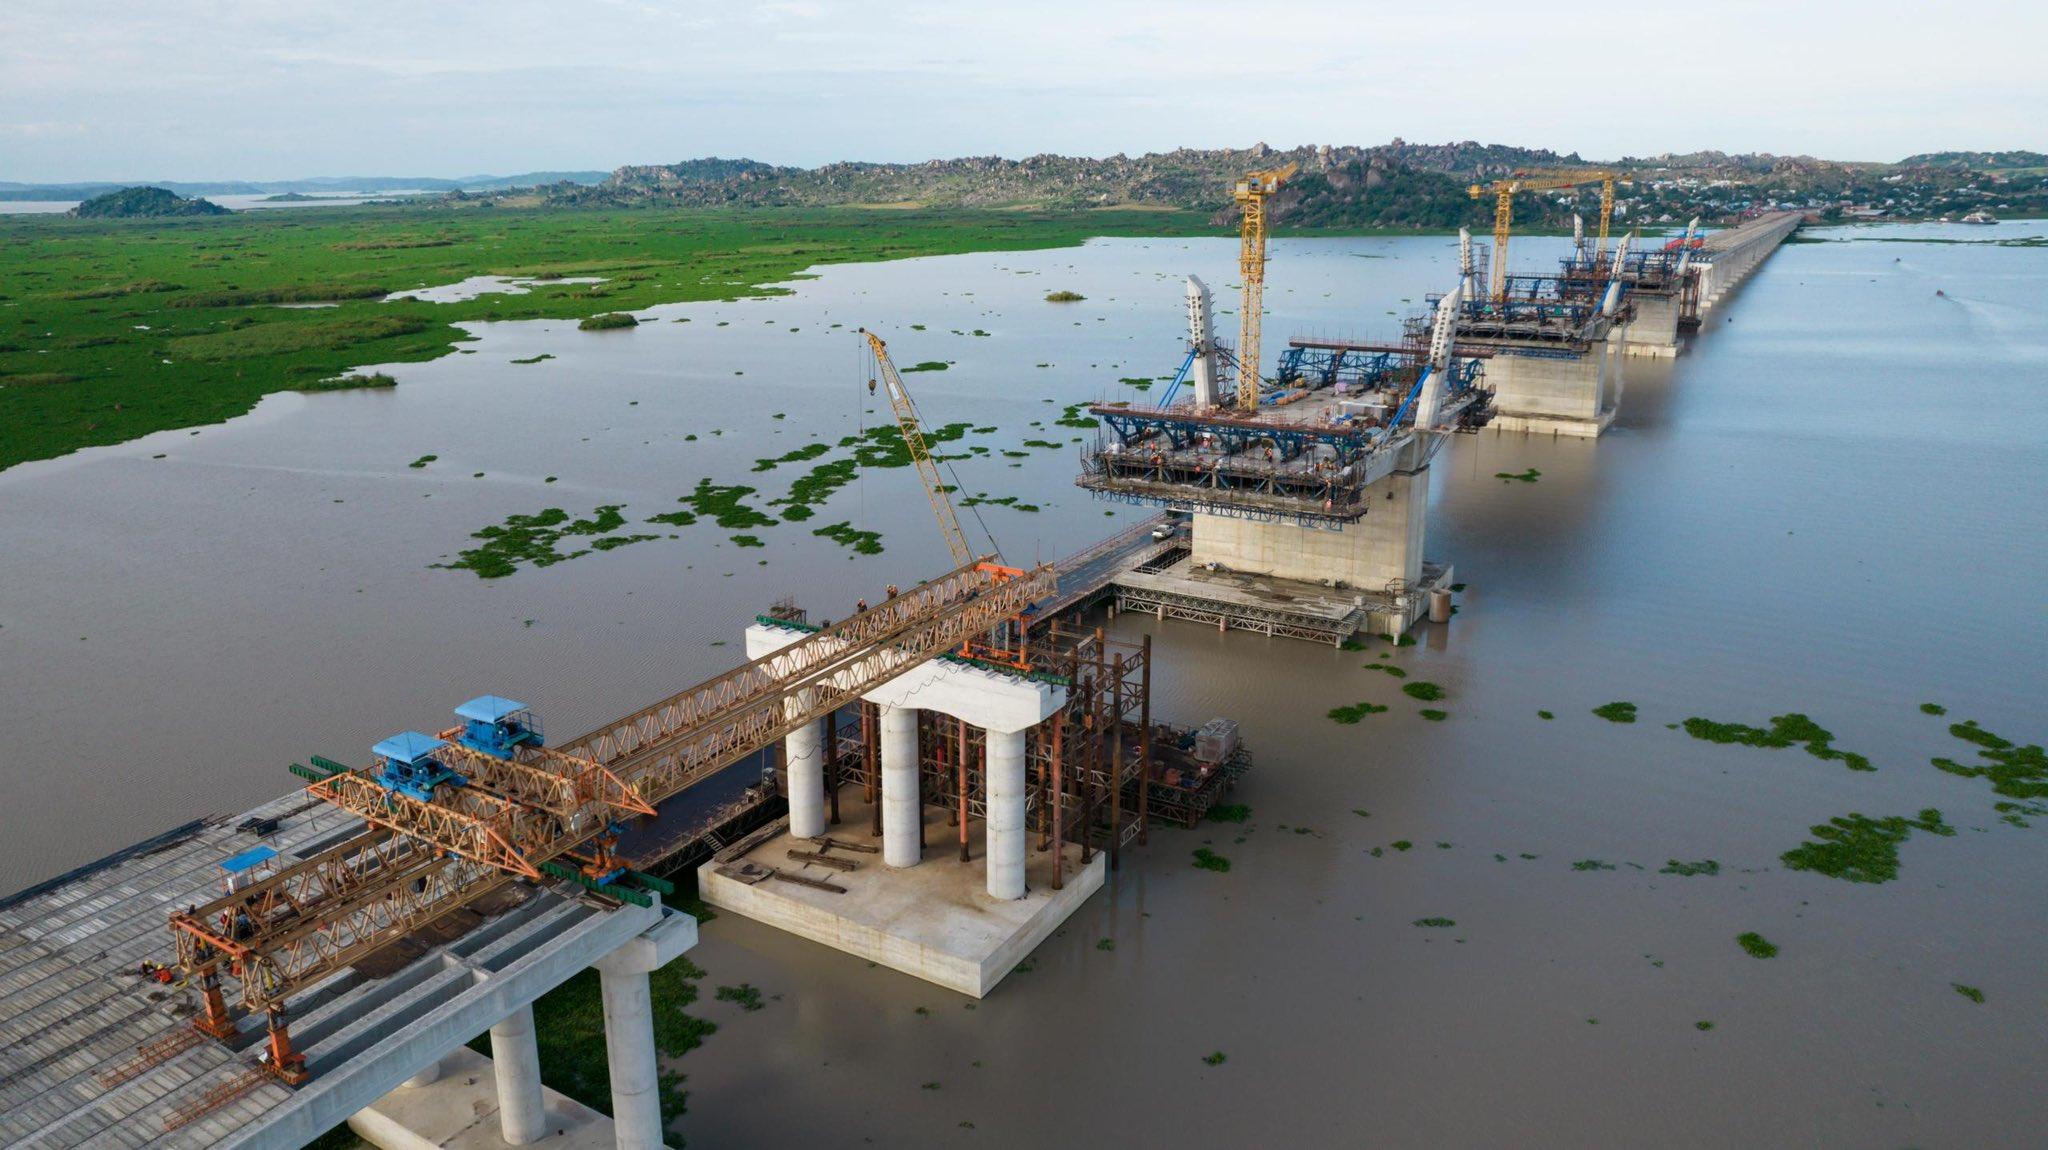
(1544, 180)
(912, 427)
(1251, 266)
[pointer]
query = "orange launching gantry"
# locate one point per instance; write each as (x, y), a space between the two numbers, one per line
(448, 826)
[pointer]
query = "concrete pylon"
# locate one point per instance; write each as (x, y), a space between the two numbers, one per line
(803, 753)
(629, 1028)
(1006, 837)
(901, 811)
(515, 1059)
(426, 1077)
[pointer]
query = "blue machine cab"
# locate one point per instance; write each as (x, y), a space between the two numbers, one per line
(497, 726)
(406, 763)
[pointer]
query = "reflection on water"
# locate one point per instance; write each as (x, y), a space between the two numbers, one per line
(1829, 505)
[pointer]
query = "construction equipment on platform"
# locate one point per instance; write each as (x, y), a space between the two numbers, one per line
(1251, 193)
(280, 930)
(1539, 180)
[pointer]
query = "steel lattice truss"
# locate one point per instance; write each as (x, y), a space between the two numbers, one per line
(425, 860)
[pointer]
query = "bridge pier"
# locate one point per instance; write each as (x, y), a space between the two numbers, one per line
(515, 1054)
(803, 759)
(902, 808)
(1005, 785)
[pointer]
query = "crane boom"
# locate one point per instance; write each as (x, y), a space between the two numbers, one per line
(1545, 180)
(911, 426)
(1251, 193)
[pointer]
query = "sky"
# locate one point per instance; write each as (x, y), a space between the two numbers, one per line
(206, 90)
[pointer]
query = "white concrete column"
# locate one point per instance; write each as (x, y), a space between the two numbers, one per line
(803, 754)
(515, 1059)
(629, 1049)
(1004, 778)
(426, 1077)
(901, 811)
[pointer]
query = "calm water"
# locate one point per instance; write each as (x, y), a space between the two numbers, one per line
(1830, 504)
(260, 201)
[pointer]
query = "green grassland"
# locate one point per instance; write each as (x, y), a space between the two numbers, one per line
(112, 329)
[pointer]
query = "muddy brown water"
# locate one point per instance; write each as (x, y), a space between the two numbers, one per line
(1830, 504)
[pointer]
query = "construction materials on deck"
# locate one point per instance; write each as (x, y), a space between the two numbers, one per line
(824, 860)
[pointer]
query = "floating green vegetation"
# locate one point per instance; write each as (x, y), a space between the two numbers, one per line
(674, 518)
(1229, 813)
(1048, 444)
(1073, 415)
(1402, 845)
(1592, 864)
(1216, 1057)
(1757, 945)
(1457, 586)
(1139, 382)
(534, 358)
(1210, 860)
(1616, 712)
(1064, 296)
(1969, 992)
(1105, 944)
(746, 995)
(1703, 1024)
(1433, 715)
(1389, 668)
(422, 461)
(1405, 641)
(1545, 715)
(1435, 922)
(1355, 712)
(1690, 869)
(747, 541)
(1422, 689)
(807, 451)
(1857, 848)
(844, 534)
(614, 542)
(2017, 772)
(723, 504)
(1361, 812)
(608, 321)
(375, 380)
(977, 331)
(1785, 730)
(927, 365)
(1528, 476)
(531, 539)
(1933, 709)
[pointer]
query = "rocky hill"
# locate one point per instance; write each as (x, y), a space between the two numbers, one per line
(133, 203)
(1188, 178)
(1392, 185)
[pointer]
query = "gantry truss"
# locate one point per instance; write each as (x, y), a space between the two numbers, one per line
(421, 861)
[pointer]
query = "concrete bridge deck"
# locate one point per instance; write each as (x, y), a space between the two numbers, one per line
(75, 1007)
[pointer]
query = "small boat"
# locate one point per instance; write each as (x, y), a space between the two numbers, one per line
(1980, 217)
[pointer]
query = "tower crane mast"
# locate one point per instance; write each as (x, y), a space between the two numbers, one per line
(1251, 193)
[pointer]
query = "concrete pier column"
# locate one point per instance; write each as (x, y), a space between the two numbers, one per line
(901, 812)
(1006, 837)
(515, 1058)
(629, 1051)
(803, 753)
(427, 1077)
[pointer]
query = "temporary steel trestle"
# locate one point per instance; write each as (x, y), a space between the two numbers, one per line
(421, 861)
